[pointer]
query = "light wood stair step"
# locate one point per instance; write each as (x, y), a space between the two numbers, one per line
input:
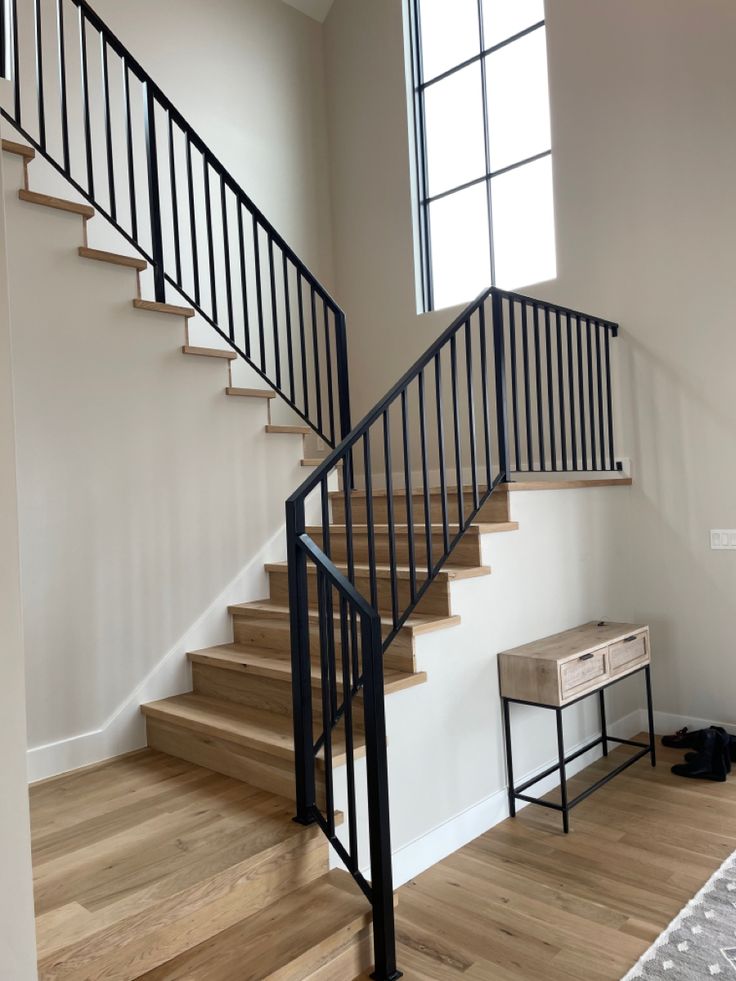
(495, 509)
(542, 485)
(114, 258)
(264, 732)
(466, 553)
(60, 204)
(251, 393)
(20, 149)
(267, 664)
(321, 927)
(209, 352)
(295, 430)
(170, 308)
(403, 572)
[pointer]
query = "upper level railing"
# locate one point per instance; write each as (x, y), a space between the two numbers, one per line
(514, 384)
(84, 102)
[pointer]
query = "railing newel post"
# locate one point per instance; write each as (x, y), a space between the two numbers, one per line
(301, 668)
(501, 398)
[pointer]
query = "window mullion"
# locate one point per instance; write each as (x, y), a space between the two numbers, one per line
(486, 133)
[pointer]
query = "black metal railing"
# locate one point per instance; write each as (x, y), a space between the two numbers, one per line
(514, 384)
(81, 99)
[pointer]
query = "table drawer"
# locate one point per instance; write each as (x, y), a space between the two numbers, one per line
(582, 672)
(629, 652)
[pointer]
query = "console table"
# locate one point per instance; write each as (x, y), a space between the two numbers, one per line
(561, 670)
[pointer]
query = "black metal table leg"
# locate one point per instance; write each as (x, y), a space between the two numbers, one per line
(563, 772)
(604, 727)
(509, 756)
(650, 713)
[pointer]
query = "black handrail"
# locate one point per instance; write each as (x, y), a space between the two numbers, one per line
(504, 389)
(156, 181)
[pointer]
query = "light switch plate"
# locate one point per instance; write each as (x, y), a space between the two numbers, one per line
(723, 539)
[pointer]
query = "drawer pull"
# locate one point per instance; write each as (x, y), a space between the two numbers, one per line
(586, 657)
(627, 640)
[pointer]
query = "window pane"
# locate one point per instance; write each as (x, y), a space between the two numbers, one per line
(454, 123)
(524, 225)
(518, 100)
(461, 265)
(504, 18)
(450, 34)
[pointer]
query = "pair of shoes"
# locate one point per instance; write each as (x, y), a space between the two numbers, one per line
(712, 757)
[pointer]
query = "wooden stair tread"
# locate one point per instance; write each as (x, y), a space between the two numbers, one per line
(60, 204)
(291, 938)
(416, 624)
(402, 530)
(170, 308)
(114, 258)
(251, 393)
(296, 430)
(209, 352)
(268, 664)
(403, 572)
(265, 732)
(504, 488)
(20, 149)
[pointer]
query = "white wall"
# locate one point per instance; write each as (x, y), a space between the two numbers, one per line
(644, 153)
(17, 936)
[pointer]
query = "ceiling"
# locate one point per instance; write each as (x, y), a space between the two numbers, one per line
(318, 9)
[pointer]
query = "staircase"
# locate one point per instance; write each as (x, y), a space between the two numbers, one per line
(291, 714)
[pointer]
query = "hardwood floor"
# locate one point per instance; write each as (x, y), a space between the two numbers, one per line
(526, 903)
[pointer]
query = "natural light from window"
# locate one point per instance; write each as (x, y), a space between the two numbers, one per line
(483, 147)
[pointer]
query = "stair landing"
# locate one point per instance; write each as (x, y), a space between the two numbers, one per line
(151, 867)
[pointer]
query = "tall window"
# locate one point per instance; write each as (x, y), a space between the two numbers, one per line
(484, 159)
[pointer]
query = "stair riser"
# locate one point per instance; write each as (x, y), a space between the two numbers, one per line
(348, 955)
(435, 601)
(467, 552)
(258, 692)
(271, 773)
(275, 635)
(496, 508)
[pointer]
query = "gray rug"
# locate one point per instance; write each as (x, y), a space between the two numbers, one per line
(701, 942)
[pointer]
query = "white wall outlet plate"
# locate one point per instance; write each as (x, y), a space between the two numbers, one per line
(723, 538)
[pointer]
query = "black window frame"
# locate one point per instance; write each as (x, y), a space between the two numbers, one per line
(419, 87)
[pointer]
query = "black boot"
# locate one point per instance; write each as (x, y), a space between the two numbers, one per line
(683, 739)
(708, 762)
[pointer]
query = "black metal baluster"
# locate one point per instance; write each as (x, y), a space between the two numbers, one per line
(514, 382)
(456, 430)
(527, 386)
(130, 153)
(591, 395)
(302, 339)
(538, 375)
(16, 66)
(425, 472)
(409, 499)
(581, 396)
(317, 366)
(550, 390)
(499, 346)
(210, 237)
(485, 385)
(243, 278)
(274, 314)
(3, 40)
(601, 419)
(324, 625)
(390, 519)
(561, 393)
(471, 411)
(347, 697)
(609, 396)
(259, 293)
(289, 340)
(226, 258)
(174, 200)
(441, 449)
(39, 78)
(85, 103)
(347, 486)
(327, 549)
(108, 131)
(571, 384)
(154, 196)
(370, 524)
(64, 107)
(193, 223)
(330, 377)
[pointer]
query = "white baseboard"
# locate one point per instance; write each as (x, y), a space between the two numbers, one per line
(415, 857)
(667, 722)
